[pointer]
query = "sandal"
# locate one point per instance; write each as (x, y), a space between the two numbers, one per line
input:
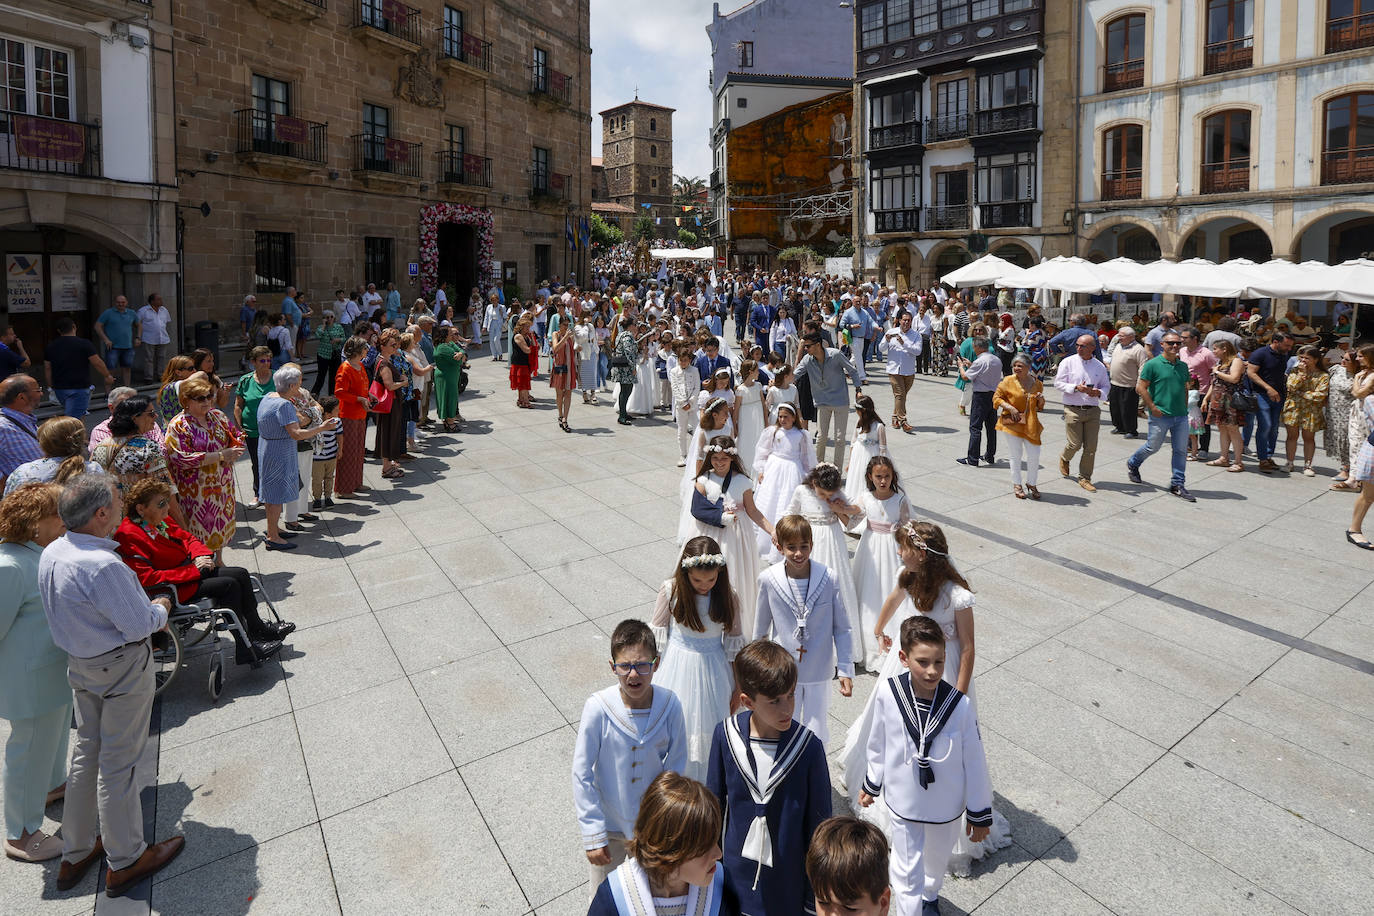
(1235, 469)
(1219, 463)
(393, 473)
(1018, 492)
(1033, 490)
(1362, 543)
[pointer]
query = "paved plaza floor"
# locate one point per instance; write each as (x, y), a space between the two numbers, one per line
(1176, 698)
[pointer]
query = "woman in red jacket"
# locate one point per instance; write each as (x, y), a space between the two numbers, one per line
(161, 552)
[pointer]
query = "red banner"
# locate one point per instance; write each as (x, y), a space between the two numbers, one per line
(556, 182)
(397, 150)
(558, 81)
(472, 165)
(395, 11)
(45, 138)
(472, 46)
(290, 130)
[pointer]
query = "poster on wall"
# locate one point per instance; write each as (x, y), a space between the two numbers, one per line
(68, 274)
(24, 282)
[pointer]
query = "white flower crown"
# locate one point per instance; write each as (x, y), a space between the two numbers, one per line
(722, 448)
(909, 529)
(705, 560)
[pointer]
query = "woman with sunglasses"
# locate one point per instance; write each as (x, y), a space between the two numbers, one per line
(202, 446)
(133, 451)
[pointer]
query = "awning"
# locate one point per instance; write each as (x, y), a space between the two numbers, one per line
(683, 254)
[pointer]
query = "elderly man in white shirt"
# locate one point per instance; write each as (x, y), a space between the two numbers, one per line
(153, 323)
(1083, 379)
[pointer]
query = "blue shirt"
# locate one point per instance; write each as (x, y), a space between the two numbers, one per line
(1066, 341)
(246, 314)
(393, 305)
(18, 440)
(828, 388)
(292, 311)
(10, 361)
(93, 601)
(119, 327)
(855, 316)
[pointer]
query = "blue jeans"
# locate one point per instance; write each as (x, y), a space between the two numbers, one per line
(1177, 429)
(74, 401)
(1266, 426)
(603, 368)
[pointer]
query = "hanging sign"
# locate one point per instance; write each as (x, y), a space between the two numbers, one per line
(68, 272)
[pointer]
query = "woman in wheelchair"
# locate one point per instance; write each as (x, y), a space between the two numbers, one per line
(161, 553)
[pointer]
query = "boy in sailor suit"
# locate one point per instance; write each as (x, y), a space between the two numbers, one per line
(925, 758)
(685, 382)
(799, 603)
(770, 775)
(630, 732)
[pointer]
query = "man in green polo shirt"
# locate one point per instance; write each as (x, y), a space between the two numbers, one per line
(1163, 389)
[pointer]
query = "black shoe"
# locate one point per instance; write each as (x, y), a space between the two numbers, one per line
(266, 648)
(1130, 435)
(288, 535)
(282, 629)
(1133, 474)
(317, 505)
(970, 462)
(328, 503)
(989, 459)
(1181, 493)
(273, 545)
(930, 907)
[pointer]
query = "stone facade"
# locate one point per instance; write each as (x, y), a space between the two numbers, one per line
(490, 115)
(97, 218)
(637, 153)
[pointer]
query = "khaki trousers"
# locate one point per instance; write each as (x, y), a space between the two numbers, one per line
(901, 384)
(1081, 425)
(114, 702)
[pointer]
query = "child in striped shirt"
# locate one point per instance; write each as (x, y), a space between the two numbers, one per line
(325, 458)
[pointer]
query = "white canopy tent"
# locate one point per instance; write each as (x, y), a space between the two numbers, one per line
(683, 254)
(1073, 275)
(985, 271)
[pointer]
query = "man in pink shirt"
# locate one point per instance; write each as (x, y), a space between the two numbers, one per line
(1200, 361)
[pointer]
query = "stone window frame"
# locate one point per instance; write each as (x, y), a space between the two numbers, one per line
(74, 66)
(1101, 29)
(1099, 153)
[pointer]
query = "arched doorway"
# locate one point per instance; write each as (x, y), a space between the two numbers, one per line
(1336, 237)
(1225, 238)
(894, 267)
(949, 258)
(1124, 239)
(1014, 252)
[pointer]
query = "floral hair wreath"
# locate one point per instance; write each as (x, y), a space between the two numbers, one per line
(826, 464)
(731, 450)
(909, 529)
(704, 561)
(713, 404)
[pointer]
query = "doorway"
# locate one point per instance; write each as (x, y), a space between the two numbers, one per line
(458, 261)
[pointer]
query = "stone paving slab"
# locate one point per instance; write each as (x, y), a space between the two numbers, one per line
(409, 751)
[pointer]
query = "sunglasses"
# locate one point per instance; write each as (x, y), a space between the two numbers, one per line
(201, 399)
(1170, 343)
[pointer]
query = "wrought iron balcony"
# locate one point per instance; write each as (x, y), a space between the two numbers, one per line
(947, 218)
(550, 185)
(1227, 176)
(36, 144)
(464, 47)
(1348, 166)
(1005, 215)
(947, 127)
(545, 81)
(1225, 56)
(1350, 33)
(386, 155)
(895, 136)
(280, 135)
(715, 178)
(1121, 184)
(1005, 120)
(897, 220)
(1126, 74)
(464, 168)
(390, 17)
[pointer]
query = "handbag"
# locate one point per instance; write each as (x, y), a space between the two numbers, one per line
(1244, 400)
(620, 361)
(382, 397)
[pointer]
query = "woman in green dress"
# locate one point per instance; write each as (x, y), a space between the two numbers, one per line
(449, 359)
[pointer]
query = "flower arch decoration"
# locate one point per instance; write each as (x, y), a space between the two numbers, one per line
(436, 215)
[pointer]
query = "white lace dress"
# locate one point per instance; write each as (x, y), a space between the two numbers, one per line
(696, 668)
(830, 548)
(853, 760)
(738, 542)
(864, 447)
(750, 400)
(646, 384)
(876, 565)
(781, 459)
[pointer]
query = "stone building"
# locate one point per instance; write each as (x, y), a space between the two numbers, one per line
(88, 198)
(637, 156)
(371, 141)
(767, 56)
(1226, 128)
(966, 143)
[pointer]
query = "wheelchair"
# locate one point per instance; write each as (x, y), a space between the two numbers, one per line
(189, 626)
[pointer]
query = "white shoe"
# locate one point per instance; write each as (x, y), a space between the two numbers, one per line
(39, 847)
(1308, 472)
(682, 463)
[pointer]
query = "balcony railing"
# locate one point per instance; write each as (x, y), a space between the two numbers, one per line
(1226, 176)
(1123, 184)
(897, 220)
(391, 17)
(947, 127)
(1126, 74)
(1005, 120)
(372, 153)
(1005, 215)
(546, 81)
(1224, 56)
(280, 135)
(1350, 33)
(464, 168)
(551, 185)
(37, 144)
(947, 218)
(465, 47)
(1348, 165)
(895, 135)
(715, 178)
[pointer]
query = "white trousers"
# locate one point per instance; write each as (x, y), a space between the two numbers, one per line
(920, 856)
(1020, 447)
(813, 704)
(615, 845)
(685, 425)
(856, 348)
(966, 396)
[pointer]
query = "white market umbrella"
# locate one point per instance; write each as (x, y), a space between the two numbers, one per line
(683, 254)
(986, 270)
(1069, 275)
(1355, 281)
(1193, 277)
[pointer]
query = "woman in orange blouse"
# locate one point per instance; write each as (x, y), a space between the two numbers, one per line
(350, 387)
(1018, 401)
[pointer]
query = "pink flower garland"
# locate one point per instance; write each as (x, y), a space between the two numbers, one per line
(435, 215)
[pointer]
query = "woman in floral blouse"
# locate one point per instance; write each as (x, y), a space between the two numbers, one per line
(132, 452)
(202, 446)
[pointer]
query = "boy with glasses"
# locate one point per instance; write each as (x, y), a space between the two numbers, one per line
(1163, 387)
(630, 732)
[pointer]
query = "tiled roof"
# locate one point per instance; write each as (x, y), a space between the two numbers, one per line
(611, 207)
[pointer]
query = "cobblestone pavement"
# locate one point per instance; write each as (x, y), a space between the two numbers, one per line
(1175, 698)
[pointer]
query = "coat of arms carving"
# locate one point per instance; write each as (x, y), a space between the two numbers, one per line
(417, 83)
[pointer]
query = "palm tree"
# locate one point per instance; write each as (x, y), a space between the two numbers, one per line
(687, 190)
